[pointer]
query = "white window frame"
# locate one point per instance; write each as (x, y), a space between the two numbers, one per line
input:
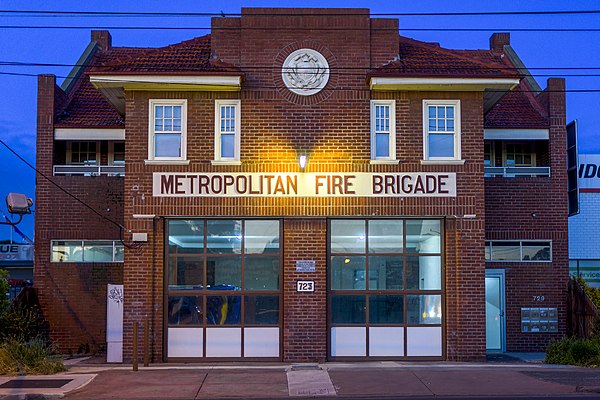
(457, 130)
(70, 152)
(167, 160)
(111, 153)
(392, 132)
(235, 160)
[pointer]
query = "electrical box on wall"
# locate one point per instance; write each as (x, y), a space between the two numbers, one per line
(139, 237)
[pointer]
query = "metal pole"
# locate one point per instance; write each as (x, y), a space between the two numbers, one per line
(134, 360)
(146, 353)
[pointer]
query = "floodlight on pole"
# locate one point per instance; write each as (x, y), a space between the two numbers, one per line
(17, 203)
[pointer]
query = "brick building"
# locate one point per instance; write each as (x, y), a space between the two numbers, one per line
(427, 219)
(584, 238)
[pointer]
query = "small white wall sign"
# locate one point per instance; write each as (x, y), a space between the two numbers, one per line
(306, 266)
(305, 286)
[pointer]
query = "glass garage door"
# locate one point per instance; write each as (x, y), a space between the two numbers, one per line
(385, 288)
(222, 297)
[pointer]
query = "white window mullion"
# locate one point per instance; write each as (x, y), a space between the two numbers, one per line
(441, 123)
(227, 131)
(167, 130)
(383, 130)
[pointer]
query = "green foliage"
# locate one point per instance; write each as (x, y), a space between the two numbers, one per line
(582, 352)
(33, 357)
(4, 287)
(21, 322)
(594, 296)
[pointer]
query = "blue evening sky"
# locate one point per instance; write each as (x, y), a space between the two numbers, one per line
(64, 46)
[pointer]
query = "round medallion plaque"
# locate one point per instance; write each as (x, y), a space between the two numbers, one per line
(305, 72)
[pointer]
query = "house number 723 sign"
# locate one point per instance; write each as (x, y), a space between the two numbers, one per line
(305, 286)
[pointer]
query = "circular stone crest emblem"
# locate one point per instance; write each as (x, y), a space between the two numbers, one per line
(305, 72)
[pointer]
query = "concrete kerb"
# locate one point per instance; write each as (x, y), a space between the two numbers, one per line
(77, 381)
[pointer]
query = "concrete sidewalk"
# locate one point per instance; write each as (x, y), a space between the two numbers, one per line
(341, 380)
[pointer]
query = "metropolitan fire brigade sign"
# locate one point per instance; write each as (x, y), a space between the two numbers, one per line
(358, 184)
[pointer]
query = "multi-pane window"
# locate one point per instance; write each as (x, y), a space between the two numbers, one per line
(441, 120)
(167, 130)
(383, 130)
(519, 155)
(87, 251)
(227, 130)
(488, 154)
(385, 276)
(84, 153)
(518, 250)
(223, 274)
(118, 153)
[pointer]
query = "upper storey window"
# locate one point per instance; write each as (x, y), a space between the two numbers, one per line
(227, 131)
(441, 130)
(383, 130)
(83, 153)
(167, 137)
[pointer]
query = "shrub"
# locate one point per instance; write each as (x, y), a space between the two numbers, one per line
(22, 322)
(4, 288)
(33, 357)
(583, 352)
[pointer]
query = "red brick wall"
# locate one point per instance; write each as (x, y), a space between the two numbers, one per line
(333, 129)
(534, 208)
(72, 295)
(305, 316)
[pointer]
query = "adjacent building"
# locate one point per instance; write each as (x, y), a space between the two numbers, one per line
(584, 236)
(304, 185)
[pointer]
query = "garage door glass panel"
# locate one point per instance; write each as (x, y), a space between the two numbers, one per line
(386, 273)
(385, 236)
(224, 273)
(224, 237)
(348, 236)
(386, 309)
(423, 236)
(261, 237)
(424, 309)
(424, 273)
(261, 273)
(184, 310)
(223, 310)
(186, 273)
(348, 273)
(261, 310)
(348, 309)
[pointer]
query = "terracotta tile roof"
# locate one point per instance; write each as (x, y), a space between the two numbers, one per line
(418, 58)
(87, 107)
(191, 56)
(516, 109)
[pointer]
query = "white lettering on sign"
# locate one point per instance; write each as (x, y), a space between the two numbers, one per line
(589, 171)
(358, 184)
(16, 252)
(305, 286)
(306, 266)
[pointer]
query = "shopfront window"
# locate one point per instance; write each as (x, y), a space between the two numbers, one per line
(385, 287)
(223, 287)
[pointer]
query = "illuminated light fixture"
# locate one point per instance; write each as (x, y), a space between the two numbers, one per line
(346, 260)
(302, 161)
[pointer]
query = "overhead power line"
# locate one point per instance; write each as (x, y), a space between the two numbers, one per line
(77, 199)
(254, 66)
(180, 28)
(336, 89)
(333, 13)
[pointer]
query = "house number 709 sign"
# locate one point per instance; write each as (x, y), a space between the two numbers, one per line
(305, 286)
